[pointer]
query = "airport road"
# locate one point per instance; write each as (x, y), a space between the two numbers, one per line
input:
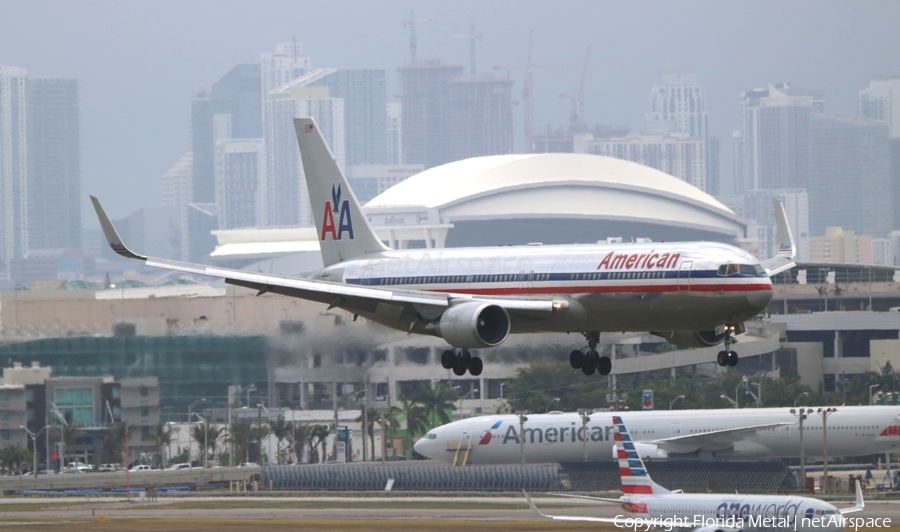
(428, 509)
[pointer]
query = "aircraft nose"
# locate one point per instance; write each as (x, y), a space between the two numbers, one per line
(759, 299)
(425, 445)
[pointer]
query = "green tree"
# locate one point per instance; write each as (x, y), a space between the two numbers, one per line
(389, 420)
(369, 420)
(280, 429)
(436, 401)
(240, 434)
(114, 442)
(318, 437)
(416, 421)
(13, 456)
(300, 434)
(823, 292)
(161, 438)
(206, 436)
(542, 381)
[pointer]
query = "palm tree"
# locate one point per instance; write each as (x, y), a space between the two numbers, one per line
(13, 456)
(823, 291)
(240, 435)
(161, 437)
(369, 419)
(435, 401)
(207, 437)
(416, 420)
(301, 436)
(114, 442)
(389, 419)
(317, 437)
(280, 429)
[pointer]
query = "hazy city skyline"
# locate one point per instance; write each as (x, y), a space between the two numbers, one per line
(137, 63)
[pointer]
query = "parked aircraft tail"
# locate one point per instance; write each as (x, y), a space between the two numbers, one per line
(787, 249)
(343, 229)
(635, 479)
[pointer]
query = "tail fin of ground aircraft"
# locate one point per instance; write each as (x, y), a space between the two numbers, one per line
(787, 250)
(344, 231)
(635, 479)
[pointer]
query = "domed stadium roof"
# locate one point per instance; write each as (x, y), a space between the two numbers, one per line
(554, 186)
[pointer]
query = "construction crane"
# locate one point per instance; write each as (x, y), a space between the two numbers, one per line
(576, 119)
(411, 24)
(528, 96)
(471, 37)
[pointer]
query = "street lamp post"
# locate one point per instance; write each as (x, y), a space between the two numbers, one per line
(825, 412)
(190, 436)
(205, 437)
(547, 408)
(62, 435)
(269, 418)
(753, 395)
(463, 396)
(522, 419)
(34, 438)
(730, 400)
(872, 387)
(759, 393)
(585, 419)
(798, 398)
(801, 416)
(673, 401)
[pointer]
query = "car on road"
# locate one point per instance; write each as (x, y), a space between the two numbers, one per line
(178, 467)
(139, 468)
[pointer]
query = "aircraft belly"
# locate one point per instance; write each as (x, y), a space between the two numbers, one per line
(649, 312)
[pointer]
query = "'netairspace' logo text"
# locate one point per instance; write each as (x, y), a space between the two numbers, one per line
(753, 522)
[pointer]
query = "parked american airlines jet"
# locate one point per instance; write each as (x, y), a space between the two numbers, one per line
(728, 434)
(649, 505)
(692, 293)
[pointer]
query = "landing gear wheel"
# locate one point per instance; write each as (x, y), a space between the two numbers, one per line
(475, 366)
(722, 358)
(593, 357)
(448, 359)
(732, 358)
(604, 366)
(459, 369)
(588, 369)
(576, 359)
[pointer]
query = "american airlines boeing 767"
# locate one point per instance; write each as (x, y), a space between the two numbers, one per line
(692, 293)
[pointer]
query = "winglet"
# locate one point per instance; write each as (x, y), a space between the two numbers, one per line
(531, 503)
(115, 242)
(860, 503)
(787, 249)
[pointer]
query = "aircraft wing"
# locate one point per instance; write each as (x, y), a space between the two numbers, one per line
(567, 517)
(787, 250)
(860, 503)
(713, 440)
(362, 298)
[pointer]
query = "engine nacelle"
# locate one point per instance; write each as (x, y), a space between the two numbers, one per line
(473, 325)
(693, 338)
(644, 450)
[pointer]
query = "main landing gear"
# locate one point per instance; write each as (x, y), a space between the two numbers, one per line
(588, 360)
(728, 357)
(460, 361)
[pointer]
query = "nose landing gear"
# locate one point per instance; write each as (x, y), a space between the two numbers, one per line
(460, 361)
(728, 357)
(588, 360)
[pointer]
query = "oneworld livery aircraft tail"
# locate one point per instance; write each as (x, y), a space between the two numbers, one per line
(648, 505)
(694, 294)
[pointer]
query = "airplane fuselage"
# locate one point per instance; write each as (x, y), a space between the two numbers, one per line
(852, 431)
(737, 512)
(606, 287)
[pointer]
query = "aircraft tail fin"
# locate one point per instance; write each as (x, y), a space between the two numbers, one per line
(635, 479)
(860, 503)
(787, 250)
(343, 229)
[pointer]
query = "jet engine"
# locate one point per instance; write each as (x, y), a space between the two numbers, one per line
(644, 450)
(473, 325)
(693, 338)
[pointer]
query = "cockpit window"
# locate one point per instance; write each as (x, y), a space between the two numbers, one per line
(746, 269)
(431, 436)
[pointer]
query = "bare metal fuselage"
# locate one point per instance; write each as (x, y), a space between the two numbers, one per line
(606, 287)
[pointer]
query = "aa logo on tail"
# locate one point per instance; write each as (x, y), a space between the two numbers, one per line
(340, 209)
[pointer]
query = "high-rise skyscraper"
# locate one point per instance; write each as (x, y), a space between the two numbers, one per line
(881, 101)
(176, 196)
(676, 154)
(678, 105)
(240, 183)
(850, 184)
(13, 166)
(365, 112)
(394, 133)
(287, 196)
(229, 109)
(284, 65)
(775, 137)
(448, 116)
(54, 164)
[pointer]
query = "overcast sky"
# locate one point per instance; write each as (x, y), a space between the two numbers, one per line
(137, 61)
